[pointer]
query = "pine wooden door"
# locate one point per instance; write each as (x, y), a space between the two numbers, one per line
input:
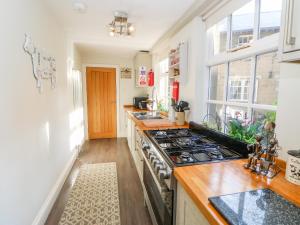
(101, 102)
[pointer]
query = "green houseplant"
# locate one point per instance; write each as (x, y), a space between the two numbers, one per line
(246, 131)
(243, 131)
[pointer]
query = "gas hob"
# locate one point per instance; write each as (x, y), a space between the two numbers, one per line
(186, 146)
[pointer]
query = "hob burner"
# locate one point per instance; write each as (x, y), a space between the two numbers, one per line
(184, 142)
(181, 157)
(215, 154)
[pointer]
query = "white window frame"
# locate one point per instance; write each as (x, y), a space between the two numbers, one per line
(243, 87)
(241, 39)
(163, 73)
(259, 46)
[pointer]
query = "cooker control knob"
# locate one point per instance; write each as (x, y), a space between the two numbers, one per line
(152, 157)
(149, 153)
(155, 162)
(146, 147)
(163, 174)
(159, 166)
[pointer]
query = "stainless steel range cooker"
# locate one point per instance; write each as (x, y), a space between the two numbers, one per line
(165, 149)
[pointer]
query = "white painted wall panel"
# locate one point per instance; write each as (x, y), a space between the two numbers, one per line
(35, 134)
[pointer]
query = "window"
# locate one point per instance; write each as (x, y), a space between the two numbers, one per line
(244, 39)
(267, 79)
(243, 84)
(238, 90)
(217, 81)
(220, 36)
(250, 95)
(239, 78)
(163, 86)
(233, 112)
(243, 25)
(240, 29)
(270, 17)
(214, 117)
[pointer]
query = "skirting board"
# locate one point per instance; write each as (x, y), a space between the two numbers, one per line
(43, 213)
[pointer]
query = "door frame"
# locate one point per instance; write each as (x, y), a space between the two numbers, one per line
(117, 68)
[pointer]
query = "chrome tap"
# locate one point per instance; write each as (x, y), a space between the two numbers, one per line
(154, 98)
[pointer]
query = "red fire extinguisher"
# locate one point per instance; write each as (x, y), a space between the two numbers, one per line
(175, 90)
(151, 78)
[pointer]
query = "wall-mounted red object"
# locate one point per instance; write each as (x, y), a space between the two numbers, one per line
(175, 90)
(151, 78)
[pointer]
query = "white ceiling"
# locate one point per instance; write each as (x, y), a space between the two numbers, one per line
(151, 18)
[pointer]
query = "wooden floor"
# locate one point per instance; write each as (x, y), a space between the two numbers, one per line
(133, 211)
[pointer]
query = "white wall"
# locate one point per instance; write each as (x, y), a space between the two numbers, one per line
(35, 130)
(127, 87)
(194, 89)
(77, 59)
(288, 112)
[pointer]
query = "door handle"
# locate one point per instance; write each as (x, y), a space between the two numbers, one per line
(290, 40)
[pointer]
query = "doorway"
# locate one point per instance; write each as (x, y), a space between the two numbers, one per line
(101, 102)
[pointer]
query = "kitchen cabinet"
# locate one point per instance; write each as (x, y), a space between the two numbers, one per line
(290, 31)
(135, 146)
(187, 212)
(139, 160)
(131, 135)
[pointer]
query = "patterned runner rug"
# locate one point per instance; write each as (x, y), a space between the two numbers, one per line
(94, 198)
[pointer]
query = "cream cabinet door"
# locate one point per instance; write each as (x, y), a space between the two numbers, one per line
(187, 212)
(290, 30)
(129, 137)
(133, 130)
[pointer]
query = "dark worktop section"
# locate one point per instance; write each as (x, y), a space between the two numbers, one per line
(257, 207)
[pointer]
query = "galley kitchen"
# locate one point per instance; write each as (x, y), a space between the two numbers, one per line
(135, 112)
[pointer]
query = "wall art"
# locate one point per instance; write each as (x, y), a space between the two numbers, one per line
(126, 73)
(43, 65)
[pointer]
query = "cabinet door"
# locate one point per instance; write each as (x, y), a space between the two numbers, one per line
(133, 130)
(187, 212)
(129, 133)
(291, 17)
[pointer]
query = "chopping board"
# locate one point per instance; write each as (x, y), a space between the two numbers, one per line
(158, 123)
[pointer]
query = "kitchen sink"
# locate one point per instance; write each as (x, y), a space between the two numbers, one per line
(147, 115)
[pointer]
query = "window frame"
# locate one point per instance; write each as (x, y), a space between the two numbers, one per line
(164, 74)
(259, 46)
(242, 86)
(250, 105)
(272, 40)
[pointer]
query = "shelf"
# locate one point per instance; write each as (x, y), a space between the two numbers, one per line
(180, 58)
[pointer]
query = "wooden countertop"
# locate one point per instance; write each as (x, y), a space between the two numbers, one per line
(140, 125)
(131, 108)
(213, 179)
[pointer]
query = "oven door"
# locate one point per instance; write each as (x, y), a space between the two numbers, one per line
(161, 199)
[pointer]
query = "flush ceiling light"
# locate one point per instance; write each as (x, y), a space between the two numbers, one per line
(120, 25)
(79, 6)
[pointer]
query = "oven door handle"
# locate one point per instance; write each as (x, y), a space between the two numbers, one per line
(160, 188)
